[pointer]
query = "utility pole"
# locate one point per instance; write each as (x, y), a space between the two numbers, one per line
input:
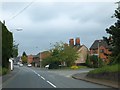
(40, 60)
(98, 51)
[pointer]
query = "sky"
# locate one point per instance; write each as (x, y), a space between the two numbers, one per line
(44, 23)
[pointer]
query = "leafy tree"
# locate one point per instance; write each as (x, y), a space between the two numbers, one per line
(61, 53)
(114, 40)
(92, 61)
(88, 62)
(69, 55)
(24, 57)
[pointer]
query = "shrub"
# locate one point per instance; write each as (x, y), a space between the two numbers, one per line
(0, 71)
(113, 68)
(74, 67)
(4, 71)
(54, 65)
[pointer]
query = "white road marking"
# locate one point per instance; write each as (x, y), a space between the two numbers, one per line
(35, 72)
(51, 84)
(38, 75)
(43, 78)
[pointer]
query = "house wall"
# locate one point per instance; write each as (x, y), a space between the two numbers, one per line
(30, 59)
(44, 55)
(82, 55)
(36, 61)
(102, 51)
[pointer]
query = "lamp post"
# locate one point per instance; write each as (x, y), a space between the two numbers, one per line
(40, 60)
(98, 51)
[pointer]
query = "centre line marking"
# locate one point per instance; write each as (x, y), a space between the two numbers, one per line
(51, 84)
(43, 78)
(35, 72)
(38, 75)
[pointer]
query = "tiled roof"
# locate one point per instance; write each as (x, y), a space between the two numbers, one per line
(101, 43)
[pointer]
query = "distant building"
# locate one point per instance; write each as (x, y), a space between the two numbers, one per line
(82, 55)
(30, 59)
(39, 57)
(82, 51)
(101, 49)
(71, 42)
(36, 60)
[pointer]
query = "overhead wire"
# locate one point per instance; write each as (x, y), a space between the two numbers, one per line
(21, 10)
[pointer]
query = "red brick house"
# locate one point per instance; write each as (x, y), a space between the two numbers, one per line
(39, 57)
(30, 59)
(101, 49)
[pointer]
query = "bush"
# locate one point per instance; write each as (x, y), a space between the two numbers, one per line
(4, 71)
(118, 59)
(74, 67)
(0, 71)
(113, 68)
(54, 65)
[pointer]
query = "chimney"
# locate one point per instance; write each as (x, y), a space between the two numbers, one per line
(77, 42)
(71, 42)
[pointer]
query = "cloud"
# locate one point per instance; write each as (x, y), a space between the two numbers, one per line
(45, 23)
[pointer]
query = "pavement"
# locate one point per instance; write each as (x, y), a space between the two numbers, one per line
(10, 74)
(83, 76)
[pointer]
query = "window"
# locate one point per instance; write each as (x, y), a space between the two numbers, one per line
(102, 51)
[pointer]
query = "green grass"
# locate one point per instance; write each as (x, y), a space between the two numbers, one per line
(3, 71)
(113, 68)
(0, 71)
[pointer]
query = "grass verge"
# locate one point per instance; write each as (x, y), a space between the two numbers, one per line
(3, 71)
(105, 69)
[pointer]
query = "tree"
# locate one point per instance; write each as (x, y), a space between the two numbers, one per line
(7, 45)
(15, 50)
(69, 55)
(24, 57)
(114, 39)
(88, 62)
(24, 54)
(61, 53)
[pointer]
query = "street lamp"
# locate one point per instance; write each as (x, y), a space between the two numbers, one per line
(40, 60)
(98, 51)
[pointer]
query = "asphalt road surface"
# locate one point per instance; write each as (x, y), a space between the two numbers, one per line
(29, 77)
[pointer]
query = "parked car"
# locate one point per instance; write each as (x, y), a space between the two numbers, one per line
(47, 66)
(20, 64)
(29, 65)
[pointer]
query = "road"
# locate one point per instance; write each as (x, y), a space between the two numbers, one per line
(29, 77)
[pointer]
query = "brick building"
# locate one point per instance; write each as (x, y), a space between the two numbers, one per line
(30, 59)
(101, 49)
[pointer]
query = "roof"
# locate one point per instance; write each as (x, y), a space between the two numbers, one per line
(101, 43)
(35, 56)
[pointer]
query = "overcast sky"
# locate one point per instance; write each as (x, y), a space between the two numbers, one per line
(49, 22)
